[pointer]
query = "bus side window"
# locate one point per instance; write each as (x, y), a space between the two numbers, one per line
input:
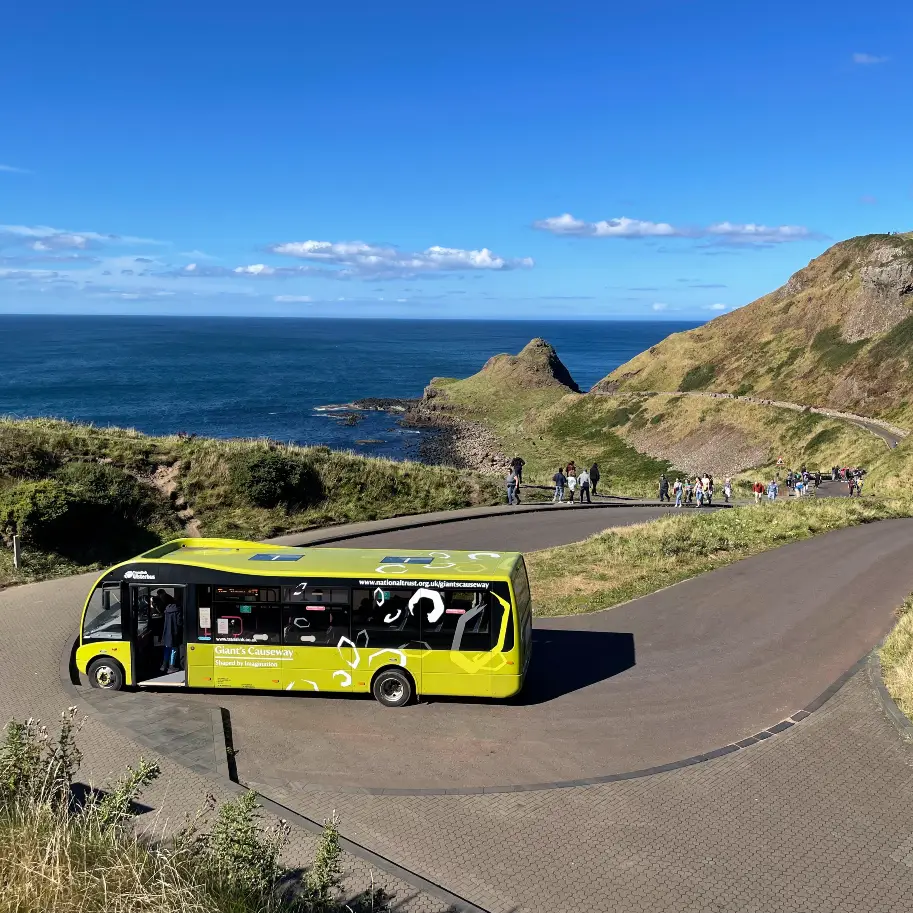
(237, 621)
(314, 625)
(204, 612)
(465, 623)
(103, 617)
(382, 616)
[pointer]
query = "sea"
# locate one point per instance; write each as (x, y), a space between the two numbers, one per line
(273, 377)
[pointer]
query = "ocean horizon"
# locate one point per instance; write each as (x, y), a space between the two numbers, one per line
(268, 376)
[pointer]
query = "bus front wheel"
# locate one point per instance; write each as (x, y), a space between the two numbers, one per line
(392, 688)
(105, 673)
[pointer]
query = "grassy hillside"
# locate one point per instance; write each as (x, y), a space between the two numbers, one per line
(81, 496)
(728, 437)
(635, 437)
(838, 334)
(547, 424)
(892, 472)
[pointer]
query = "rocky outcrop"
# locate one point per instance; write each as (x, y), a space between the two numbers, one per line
(537, 365)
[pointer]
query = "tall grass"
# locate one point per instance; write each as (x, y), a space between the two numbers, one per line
(68, 850)
(343, 487)
(896, 656)
(620, 564)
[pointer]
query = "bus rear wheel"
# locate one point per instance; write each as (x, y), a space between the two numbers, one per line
(106, 674)
(392, 688)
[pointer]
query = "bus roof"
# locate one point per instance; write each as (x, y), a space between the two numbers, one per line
(240, 557)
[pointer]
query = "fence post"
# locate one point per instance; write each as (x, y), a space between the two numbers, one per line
(17, 553)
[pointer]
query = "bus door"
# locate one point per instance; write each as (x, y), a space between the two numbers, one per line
(152, 663)
(457, 631)
(316, 626)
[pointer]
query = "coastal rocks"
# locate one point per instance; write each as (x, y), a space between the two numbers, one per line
(454, 441)
(464, 445)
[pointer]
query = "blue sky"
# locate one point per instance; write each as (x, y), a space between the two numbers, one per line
(587, 160)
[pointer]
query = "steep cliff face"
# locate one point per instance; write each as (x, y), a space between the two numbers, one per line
(839, 333)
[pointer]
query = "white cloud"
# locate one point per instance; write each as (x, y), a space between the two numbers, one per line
(869, 59)
(11, 169)
(660, 306)
(622, 227)
(357, 259)
(45, 238)
(255, 269)
(750, 233)
(293, 299)
(39, 274)
(718, 233)
(717, 307)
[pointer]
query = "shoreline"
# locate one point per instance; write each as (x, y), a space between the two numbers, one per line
(449, 441)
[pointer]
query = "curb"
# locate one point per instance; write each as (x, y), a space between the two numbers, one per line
(892, 711)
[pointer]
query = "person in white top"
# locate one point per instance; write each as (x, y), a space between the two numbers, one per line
(571, 484)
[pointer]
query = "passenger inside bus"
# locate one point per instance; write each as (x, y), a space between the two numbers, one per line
(172, 631)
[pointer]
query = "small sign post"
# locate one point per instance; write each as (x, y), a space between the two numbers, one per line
(17, 553)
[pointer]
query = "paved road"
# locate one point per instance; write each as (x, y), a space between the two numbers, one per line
(815, 818)
(525, 532)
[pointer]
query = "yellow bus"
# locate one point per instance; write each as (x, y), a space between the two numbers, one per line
(224, 613)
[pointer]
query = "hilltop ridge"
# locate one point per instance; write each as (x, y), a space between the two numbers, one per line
(536, 366)
(838, 333)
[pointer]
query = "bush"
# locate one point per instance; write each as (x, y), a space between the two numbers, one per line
(269, 478)
(118, 492)
(42, 512)
(93, 513)
(75, 851)
(833, 350)
(697, 378)
(22, 456)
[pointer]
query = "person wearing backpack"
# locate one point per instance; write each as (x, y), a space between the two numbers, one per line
(677, 489)
(560, 480)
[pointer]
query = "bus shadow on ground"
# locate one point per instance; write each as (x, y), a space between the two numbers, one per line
(567, 661)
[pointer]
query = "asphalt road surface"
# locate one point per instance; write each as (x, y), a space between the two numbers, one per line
(675, 674)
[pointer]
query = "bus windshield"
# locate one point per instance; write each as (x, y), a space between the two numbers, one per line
(103, 616)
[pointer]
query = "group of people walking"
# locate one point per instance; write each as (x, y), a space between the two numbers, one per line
(568, 479)
(698, 490)
(572, 480)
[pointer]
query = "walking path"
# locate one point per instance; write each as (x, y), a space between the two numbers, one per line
(890, 434)
(703, 780)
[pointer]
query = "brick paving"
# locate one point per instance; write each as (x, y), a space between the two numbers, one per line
(818, 818)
